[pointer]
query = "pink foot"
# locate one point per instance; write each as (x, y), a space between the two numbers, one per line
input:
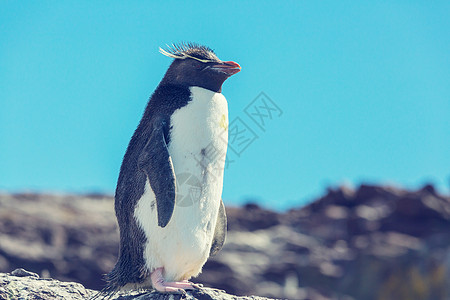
(195, 285)
(161, 285)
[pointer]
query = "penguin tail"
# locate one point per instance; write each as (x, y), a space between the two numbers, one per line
(111, 288)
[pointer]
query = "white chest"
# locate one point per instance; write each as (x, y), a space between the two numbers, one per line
(198, 145)
(198, 136)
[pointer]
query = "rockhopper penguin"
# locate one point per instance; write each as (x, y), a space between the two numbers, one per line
(168, 198)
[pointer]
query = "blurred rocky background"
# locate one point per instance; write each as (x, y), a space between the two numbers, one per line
(372, 242)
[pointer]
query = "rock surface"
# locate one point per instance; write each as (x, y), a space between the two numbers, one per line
(27, 285)
(21, 284)
(370, 243)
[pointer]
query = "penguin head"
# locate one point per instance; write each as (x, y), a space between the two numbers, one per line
(197, 65)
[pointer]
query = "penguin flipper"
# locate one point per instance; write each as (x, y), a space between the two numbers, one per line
(156, 162)
(220, 231)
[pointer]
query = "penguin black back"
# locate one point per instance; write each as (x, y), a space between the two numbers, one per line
(130, 265)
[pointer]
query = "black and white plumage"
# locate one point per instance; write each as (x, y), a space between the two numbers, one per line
(163, 240)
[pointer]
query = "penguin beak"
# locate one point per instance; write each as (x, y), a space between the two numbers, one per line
(227, 67)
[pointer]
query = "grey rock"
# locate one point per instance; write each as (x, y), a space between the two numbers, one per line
(24, 287)
(201, 294)
(31, 287)
(373, 242)
(23, 273)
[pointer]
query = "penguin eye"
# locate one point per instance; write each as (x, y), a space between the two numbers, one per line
(207, 65)
(197, 65)
(201, 65)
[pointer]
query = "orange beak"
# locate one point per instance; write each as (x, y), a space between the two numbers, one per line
(227, 67)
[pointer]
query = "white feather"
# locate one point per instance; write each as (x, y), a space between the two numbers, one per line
(183, 246)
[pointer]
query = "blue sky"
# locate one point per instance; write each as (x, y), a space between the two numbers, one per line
(364, 90)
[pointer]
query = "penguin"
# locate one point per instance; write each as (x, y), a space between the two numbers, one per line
(168, 198)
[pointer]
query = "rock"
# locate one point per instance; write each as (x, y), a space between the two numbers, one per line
(372, 242)
(23, 273)
(70, 238)
(251, 217)
(202, 294)
(23, 286)
(31, 287)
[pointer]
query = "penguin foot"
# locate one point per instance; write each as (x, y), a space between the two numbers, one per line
(195, 285)
(161, 285)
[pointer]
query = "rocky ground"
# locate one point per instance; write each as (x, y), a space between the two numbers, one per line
(370, 243)
(21, 284)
